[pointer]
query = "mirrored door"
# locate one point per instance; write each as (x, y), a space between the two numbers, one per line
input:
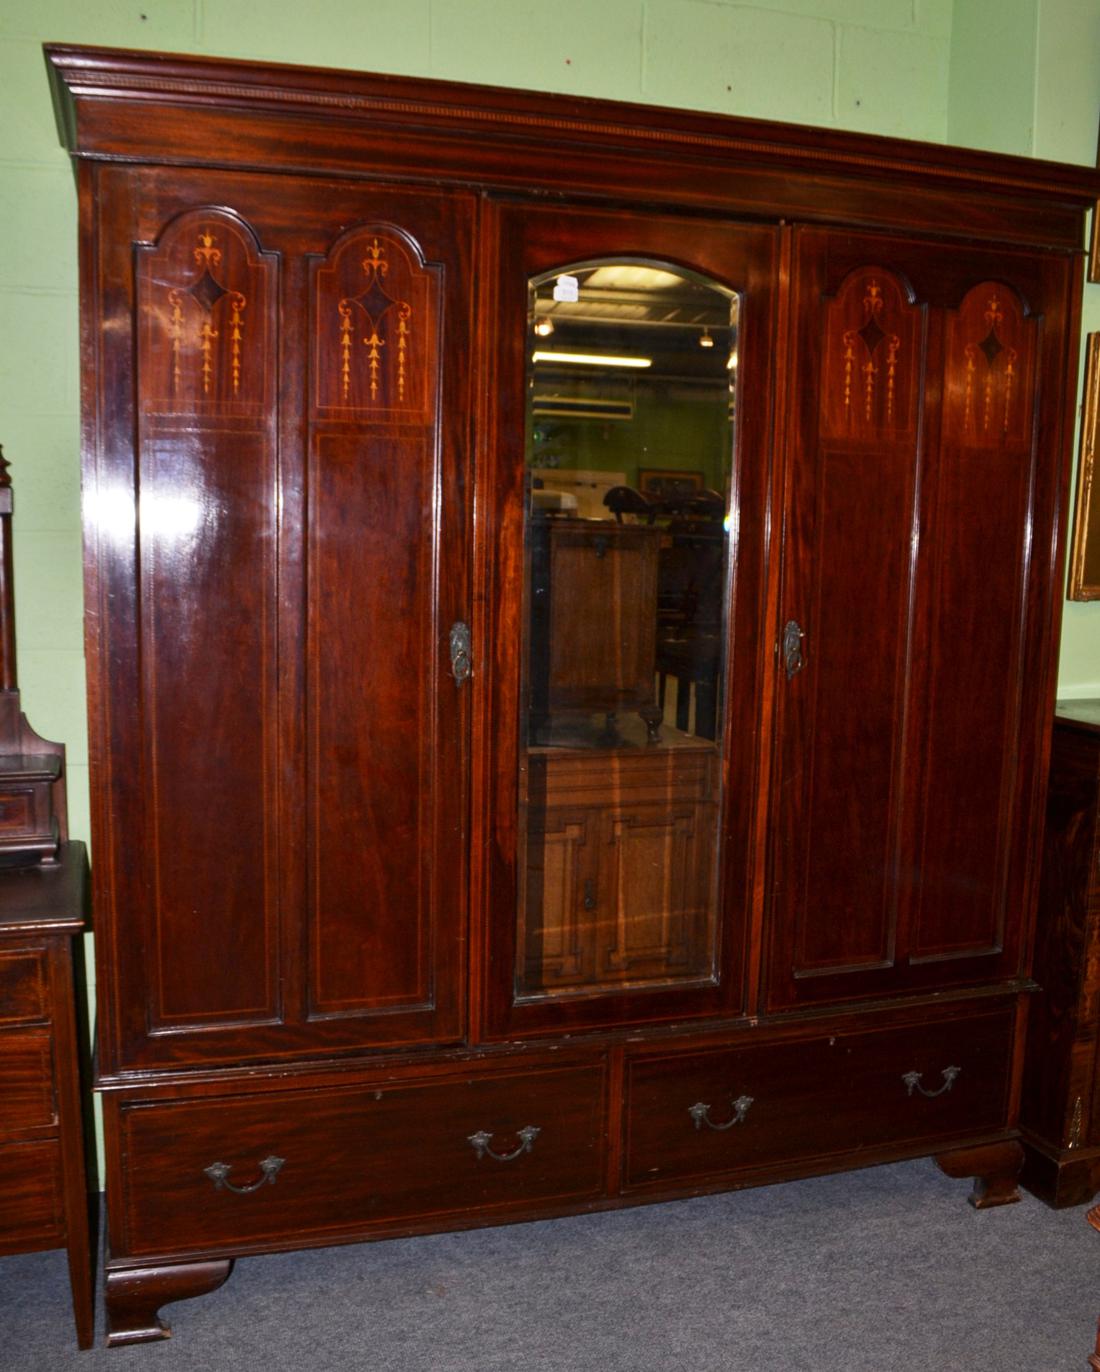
(628, 474)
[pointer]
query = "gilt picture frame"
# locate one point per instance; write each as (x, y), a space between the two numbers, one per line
(1084, 565)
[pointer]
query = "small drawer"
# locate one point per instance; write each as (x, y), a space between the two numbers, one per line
(221, 1172)
(727, 1109)
(24, 985)
(27, 1099)
(31, 1207)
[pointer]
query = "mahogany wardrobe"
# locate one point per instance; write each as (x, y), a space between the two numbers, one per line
(572, 602)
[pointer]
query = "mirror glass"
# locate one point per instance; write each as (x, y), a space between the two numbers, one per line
(631, 419)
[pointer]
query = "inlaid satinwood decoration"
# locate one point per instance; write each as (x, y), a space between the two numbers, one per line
(871, 351)
(989, 366)
(204, 297)
(372, 324)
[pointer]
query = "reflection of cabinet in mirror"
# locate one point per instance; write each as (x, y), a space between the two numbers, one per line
(593, 620)
(619, 885)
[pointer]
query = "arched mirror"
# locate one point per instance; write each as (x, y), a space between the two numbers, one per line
(631, 422)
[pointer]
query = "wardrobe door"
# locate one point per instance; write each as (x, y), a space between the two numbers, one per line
(627, 459)
(922, 493)
(280, 761)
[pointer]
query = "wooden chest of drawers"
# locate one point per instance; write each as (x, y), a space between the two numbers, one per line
(1061, 1102)
(44, 1198)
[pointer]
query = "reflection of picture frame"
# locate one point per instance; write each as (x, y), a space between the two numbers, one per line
(1084, 553)
(669, 481)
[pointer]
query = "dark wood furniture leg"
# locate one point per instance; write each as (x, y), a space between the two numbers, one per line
(1093, 1218)
(995, 1168)
(134, 1296)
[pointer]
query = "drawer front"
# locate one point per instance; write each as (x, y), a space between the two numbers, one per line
(31, 1210)
(356, 1156)
(703, 1113)
(27, 1099)
(23, 986)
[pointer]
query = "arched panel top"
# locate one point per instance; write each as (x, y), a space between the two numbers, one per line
(989, 376)
(872, 359)
(205, 293)
(375, 326)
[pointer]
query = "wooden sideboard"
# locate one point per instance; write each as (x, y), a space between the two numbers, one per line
(45, 1200)
(1061, 1102)
(797, 942)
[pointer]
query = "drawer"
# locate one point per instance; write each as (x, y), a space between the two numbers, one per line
(31, 1210)
(23, 986)
(27, 1099)
(706, 1112)
(352, 1157)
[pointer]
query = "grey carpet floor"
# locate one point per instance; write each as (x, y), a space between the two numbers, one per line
(872, 1271)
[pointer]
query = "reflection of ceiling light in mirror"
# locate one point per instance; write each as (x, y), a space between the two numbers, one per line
(732, 361)
(592, 359)
(632, 276)
(544, 327)
(705, 340)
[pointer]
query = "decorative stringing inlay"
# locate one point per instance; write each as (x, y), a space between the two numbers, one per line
(871, 335)
(375, 311)
(207, 292)
(990, 357)
(991, 348)
(872, 353)
(204, 292)
(376, 304)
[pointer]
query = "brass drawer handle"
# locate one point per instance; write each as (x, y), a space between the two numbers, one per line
(218, 1172)
(700, 1113)
(482, 1143)
(912, 1082)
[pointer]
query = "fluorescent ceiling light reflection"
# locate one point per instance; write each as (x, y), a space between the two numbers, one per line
(592, 359)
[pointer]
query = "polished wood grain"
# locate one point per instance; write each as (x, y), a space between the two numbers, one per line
(46, 1196)
(310, 834)
(354, 1157)
(995, 1168)
(134, 1298)
(878, 721)
(811, 1096)
(1061, 1096)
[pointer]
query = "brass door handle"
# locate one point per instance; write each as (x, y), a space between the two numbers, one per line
(793, 636)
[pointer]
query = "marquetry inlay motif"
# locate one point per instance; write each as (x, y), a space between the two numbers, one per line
(203, 297)
(373, 324)
(871, 350)
(990, 358)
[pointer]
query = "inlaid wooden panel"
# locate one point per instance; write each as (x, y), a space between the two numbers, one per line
(375, 327)
(22, 986)
(209, 687)
(206, 467)
(27, 1099)
(31, 1196)
(873, 360)
(977, 547)
(854, 483)
(357, 1157)
(384, 782)
(205, 296)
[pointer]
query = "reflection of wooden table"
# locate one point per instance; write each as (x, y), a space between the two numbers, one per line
(692, 658)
